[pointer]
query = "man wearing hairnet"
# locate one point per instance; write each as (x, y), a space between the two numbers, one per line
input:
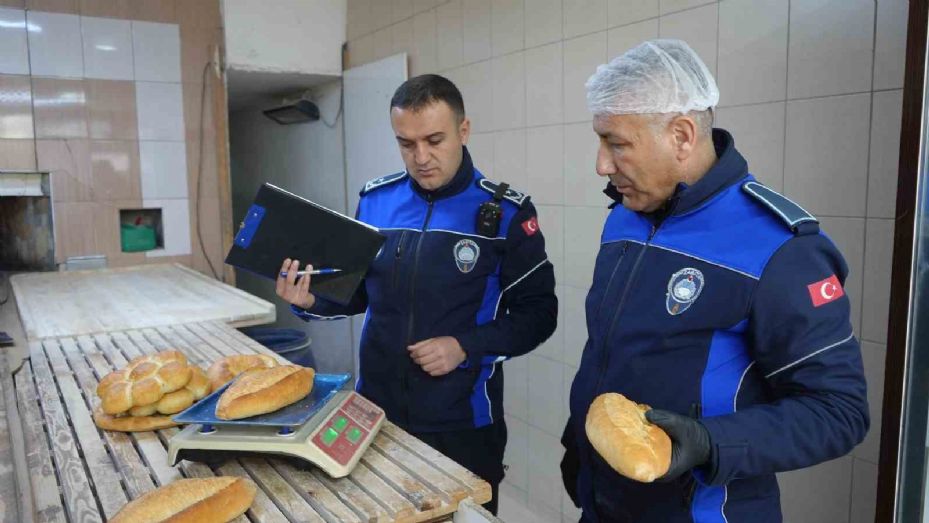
(715, 300)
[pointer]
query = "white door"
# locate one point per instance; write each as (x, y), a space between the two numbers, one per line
(370, 147)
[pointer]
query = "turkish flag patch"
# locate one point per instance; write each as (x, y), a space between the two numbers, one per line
(531, 226)
(825, 291)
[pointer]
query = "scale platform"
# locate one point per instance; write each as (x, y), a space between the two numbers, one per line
(331, 428)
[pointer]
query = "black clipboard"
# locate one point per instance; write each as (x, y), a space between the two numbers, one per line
(281, 225)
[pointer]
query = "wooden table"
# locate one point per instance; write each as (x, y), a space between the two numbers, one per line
(89, 302)
(79, 473)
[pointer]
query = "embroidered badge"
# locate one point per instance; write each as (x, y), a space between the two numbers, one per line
(531, 226)
(466, 255)
(825, 291)
(684, 288)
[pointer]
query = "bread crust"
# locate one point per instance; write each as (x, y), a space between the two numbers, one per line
(199, 384)
(263, 391)
(618, 430)
(224, 370)
(174, 402)
(131, 423)
(195, 500)
(144, 410)
(143, 381)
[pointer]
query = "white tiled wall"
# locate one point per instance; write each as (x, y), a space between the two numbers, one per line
(52, 46)
(15, 57)
(55, 45)
(107, 48)
(160, 110)
(157, 52)
(811, 90)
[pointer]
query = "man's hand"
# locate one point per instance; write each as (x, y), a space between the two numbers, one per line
(438, 356)
(292, 290)
(690, 441)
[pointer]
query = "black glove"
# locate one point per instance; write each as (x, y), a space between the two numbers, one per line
(690, 441)
(570, 463)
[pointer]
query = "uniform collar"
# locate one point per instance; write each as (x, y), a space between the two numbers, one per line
(730, 167)
(462, 179)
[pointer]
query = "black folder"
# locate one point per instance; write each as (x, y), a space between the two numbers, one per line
(281, 225)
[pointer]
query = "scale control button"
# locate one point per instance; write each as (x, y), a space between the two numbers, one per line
(340, 423)
(329, 436)
(354, 435)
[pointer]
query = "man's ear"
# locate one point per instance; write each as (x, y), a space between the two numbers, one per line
(684, 133)
(464, 131)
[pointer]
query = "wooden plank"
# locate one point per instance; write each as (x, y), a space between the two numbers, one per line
(56, 304)
(163, 342)
(135, 473)
(262, 509)
(290, 501)
(125, 345)
(9, 495)
(11, 359)
(47, 501)
(113, 356)
(151, 341)
(194, 330)
(321, 498)
(207, 355)
(453, 491)
(102, 470)
(215, 352)
(398, 506)
(480, 489)
(355, 497)
(78, 494)
(422, 497)
(236, 338)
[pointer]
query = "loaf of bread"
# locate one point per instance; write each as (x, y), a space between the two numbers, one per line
(618, 430)
(131, 423)
(196, 388)
(143, 381)
(224, 370)
(198, 500)
(199, 384)
(261, 391)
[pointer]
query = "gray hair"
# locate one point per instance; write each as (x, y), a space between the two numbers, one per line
(704, 120)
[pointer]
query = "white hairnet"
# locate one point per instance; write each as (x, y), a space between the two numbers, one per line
(656, 76)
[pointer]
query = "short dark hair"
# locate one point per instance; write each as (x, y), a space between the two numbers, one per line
(421, 91)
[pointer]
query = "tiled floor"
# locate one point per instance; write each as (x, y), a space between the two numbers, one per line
(512, 511)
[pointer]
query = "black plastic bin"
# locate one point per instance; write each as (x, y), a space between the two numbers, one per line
(292, 344)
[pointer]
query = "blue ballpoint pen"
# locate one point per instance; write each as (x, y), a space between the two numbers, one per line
(314, 272)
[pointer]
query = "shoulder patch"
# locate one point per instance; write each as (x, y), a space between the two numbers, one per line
(382, 181)
(519, 198)
(789, 212)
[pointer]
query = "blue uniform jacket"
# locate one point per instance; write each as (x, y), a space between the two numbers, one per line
(728, 306)
(436, 276)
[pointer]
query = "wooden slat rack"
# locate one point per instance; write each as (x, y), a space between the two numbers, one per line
(83, 474)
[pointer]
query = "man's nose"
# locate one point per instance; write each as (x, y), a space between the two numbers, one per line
(605, 164)
(421, 156)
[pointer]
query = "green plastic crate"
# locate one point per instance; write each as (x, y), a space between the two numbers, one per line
(136, 238)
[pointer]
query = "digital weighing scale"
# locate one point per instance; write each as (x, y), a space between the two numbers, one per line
(331, 428)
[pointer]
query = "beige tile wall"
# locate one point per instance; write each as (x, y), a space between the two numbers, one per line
(811, 89)
(91, 145)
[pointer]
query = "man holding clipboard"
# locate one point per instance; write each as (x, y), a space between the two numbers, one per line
(461, 284)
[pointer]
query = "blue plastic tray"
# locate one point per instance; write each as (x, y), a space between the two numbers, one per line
(324, 388)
